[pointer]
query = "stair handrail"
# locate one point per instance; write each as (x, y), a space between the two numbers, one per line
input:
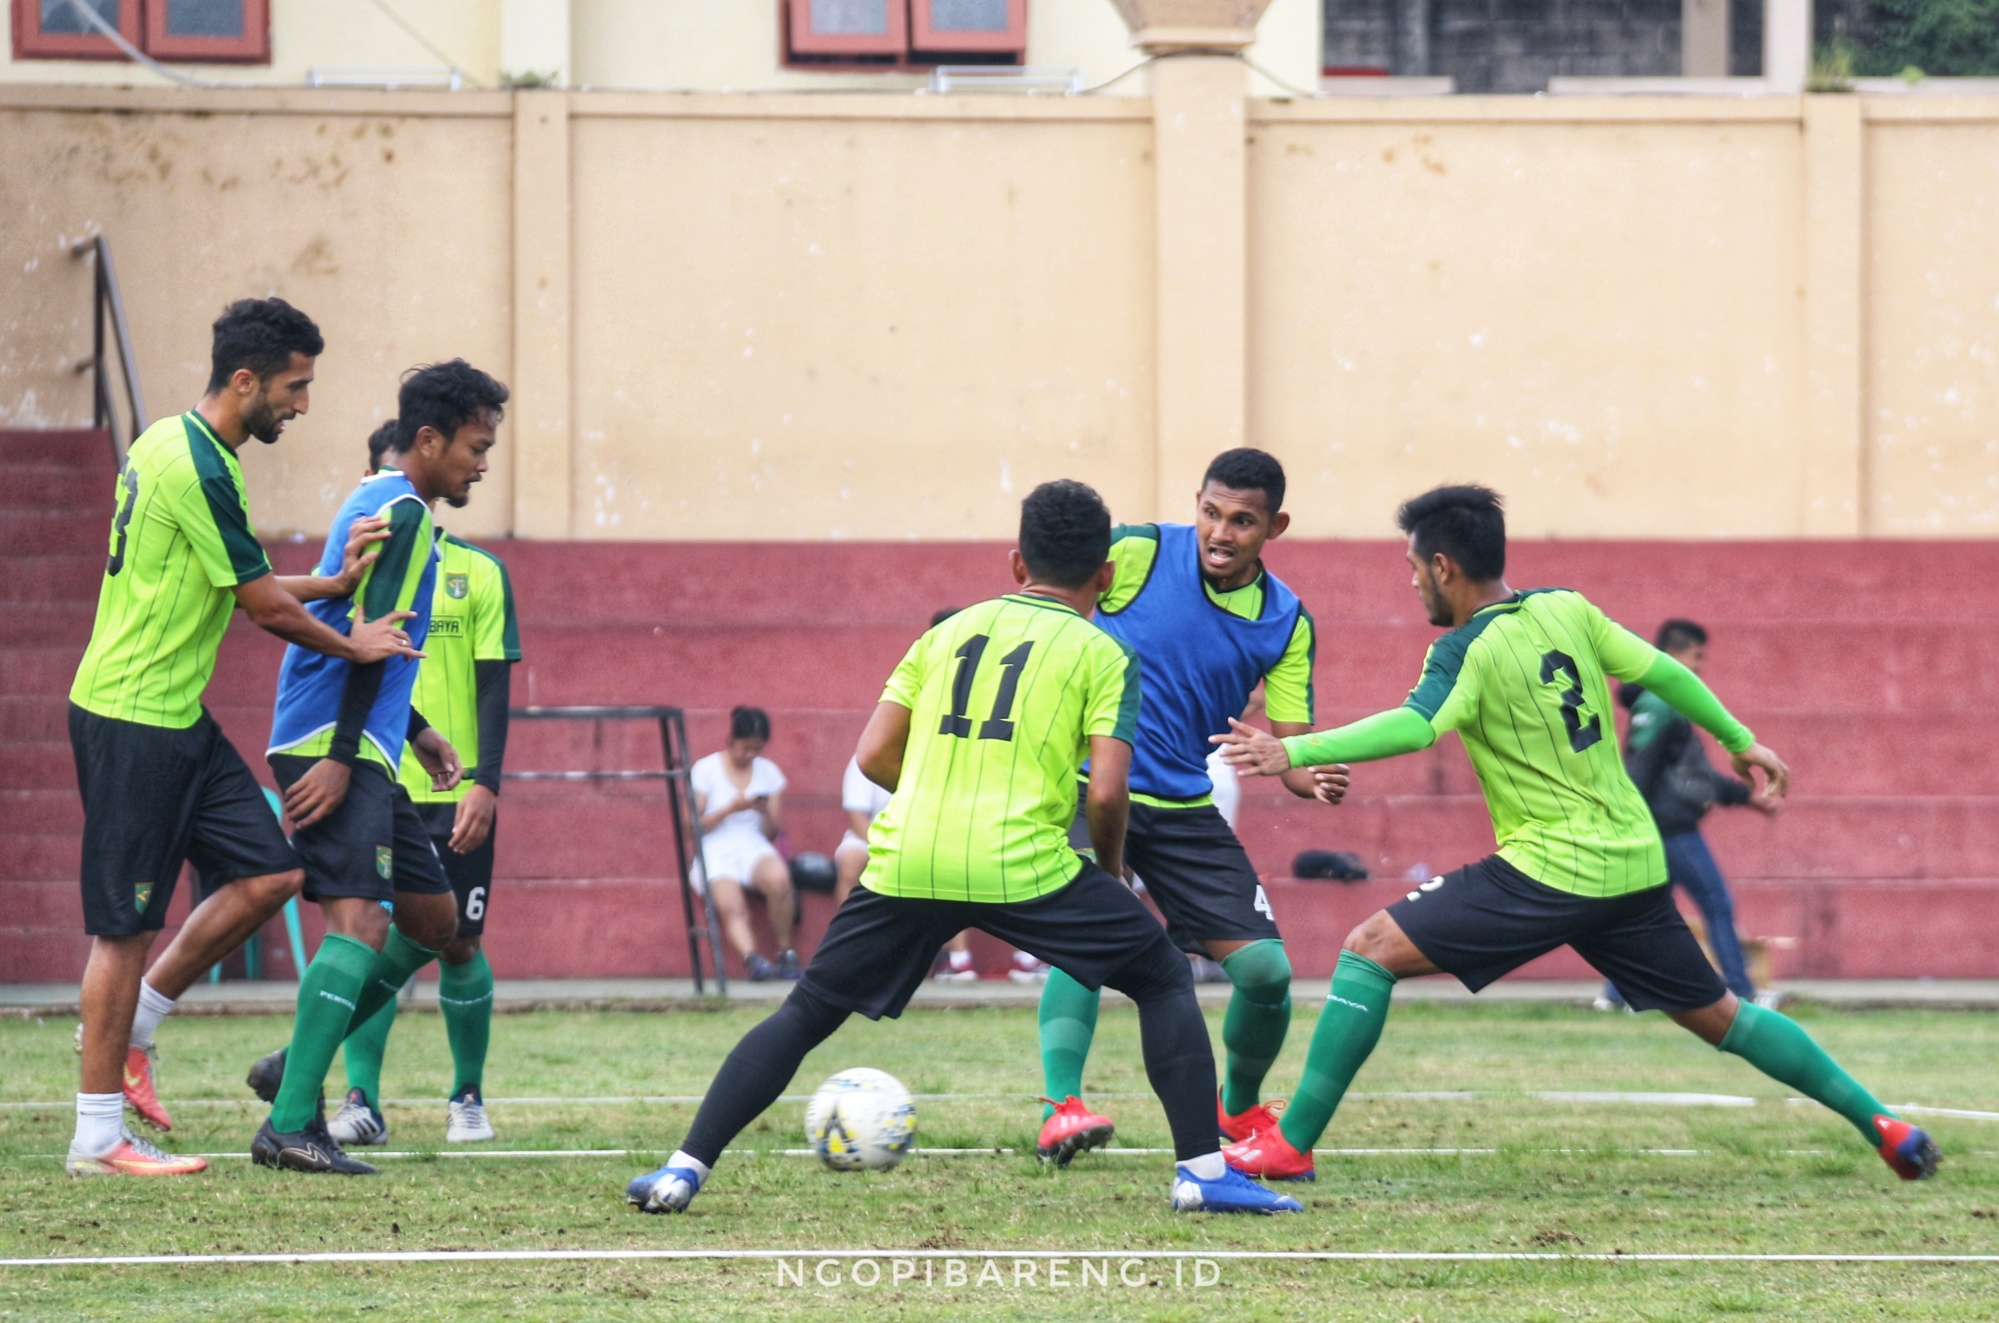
(105, 298)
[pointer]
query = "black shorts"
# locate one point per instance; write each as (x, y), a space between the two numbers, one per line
(372, 846)
(1487, 919)
(878, 950)
(155, 798)
(1196, 872)
(471, 874)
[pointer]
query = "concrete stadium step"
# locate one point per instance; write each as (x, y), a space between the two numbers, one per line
(53, 532)
(33, 718)
(47, 809)
(48, 579)
(49, 901)
(77, 490)
(37, 765)
(53, 954)
(82, 447)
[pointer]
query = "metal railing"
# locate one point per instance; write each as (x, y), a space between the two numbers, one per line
(680, 807)
(106, 302)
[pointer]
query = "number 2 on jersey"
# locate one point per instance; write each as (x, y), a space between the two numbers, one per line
(998, 726)
(1582, 734)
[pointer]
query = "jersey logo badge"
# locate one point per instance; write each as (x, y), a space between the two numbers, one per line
(456, 586)
(385, 860)
(142, 895)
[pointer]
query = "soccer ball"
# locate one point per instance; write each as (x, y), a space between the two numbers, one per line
(861, 1119)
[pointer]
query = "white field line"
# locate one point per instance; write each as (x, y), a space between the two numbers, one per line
(642, 1154)
(1118, 1256)
(1636, 1098)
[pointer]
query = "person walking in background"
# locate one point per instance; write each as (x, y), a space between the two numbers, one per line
(739, 795)
(1669, 765)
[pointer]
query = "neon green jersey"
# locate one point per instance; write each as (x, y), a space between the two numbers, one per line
(1004, 698)
(471, 620)
(1522, 682)
(180, 544)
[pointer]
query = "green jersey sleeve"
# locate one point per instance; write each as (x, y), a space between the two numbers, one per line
(905, 682)
(1113, 694)
(1134, 548)
(496, 631)
(212, 512)
(1387, 734)
(1287, 686)
(1650, 716)
(390, 584)
(1683, 690)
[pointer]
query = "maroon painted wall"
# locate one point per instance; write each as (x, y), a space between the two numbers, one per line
(1867, 665)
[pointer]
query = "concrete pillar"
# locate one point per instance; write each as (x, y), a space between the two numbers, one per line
(534, 38)
(1704, 38)
(1200, 169)
(1835, 477)
(1412, 38)
(538, 416)
(1787, 44)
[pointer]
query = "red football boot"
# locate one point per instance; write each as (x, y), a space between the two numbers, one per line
(1248, 1123)
(1269, 1155)
(1908, 1150)
(1071, 1130)
(139, 1093)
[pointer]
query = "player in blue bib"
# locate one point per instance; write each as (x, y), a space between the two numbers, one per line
(1208, 624)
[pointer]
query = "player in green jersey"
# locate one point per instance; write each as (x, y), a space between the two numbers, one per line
(161, 784)
(979, 737)
(1521, 679)
(463, 689)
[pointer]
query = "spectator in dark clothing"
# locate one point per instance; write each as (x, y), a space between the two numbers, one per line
(1670, 767)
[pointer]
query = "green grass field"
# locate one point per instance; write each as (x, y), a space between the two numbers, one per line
(1565, 1178)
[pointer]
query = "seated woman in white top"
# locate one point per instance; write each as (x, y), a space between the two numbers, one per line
(863, 799)
(740, 797)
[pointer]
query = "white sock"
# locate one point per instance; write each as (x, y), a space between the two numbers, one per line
(1209, 1166)
(154, 1007)
(680, 1159)
(961, 959)
(100, 1123)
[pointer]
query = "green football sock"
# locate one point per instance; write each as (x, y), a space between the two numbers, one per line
(399, 959)
(1258, 1016)
(1779, 1047)
(326, 997)
(1349, 1027)
(465, 995)
(1068, 1024)
(364, 1049)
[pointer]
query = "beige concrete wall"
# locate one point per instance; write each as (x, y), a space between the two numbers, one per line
(757, 317)
(390, 228)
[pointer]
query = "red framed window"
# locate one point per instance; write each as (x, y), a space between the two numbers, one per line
(903, 34)
(203, 30)
(968, 25)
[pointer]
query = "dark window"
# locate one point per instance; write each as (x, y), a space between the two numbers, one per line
(903, 34)
(237, 31)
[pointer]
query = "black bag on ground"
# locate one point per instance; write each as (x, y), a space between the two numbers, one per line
(1329, 866)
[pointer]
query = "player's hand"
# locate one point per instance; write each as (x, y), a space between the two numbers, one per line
(316, 794)
(1766, 803)
(439, 759)
(379, 640)
(1252, 752)
(1777, 777)
(362, 534)
(1329, 783)
(474, 822)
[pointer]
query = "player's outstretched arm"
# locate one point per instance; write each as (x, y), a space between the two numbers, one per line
(883, 744)
(1328, 785)
(362, 535)
(1253, 752)
(276, 611)
(1107, 802)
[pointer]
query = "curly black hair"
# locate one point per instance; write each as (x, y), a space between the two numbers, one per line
(380, 442)
(261, 335)
(445, 397)
(1065, 533)
(1249, 470)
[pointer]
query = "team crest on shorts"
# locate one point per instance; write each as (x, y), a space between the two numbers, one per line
(142, 895)
(385, 860)
(457, 586)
